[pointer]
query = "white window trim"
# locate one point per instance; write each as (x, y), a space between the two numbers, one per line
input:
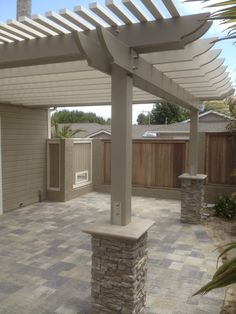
(85, 141)
(82, 183)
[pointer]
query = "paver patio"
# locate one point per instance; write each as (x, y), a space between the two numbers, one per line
(46, 260)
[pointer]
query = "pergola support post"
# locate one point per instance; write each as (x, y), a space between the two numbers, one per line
(119, 248)
(192, 183)
(121, 147)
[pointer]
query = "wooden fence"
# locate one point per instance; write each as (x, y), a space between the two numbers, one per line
(158, 163)
(220, 158)
(155, 163)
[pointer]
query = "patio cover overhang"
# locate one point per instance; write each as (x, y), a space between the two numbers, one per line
(97, 56)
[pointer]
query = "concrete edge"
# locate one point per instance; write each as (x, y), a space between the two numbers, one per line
(133, 231)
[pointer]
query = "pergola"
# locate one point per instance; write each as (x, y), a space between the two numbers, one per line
(117, 54)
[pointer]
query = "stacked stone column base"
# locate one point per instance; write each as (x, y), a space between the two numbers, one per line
(119, 268)
(192, 197)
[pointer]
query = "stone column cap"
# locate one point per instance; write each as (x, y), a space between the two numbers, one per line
(132, 231)
(191, 177)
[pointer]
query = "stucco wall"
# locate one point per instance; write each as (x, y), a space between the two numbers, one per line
(24, 133)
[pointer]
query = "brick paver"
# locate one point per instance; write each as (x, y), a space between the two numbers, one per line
(45, 259)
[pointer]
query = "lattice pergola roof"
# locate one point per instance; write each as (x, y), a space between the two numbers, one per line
(65, 58)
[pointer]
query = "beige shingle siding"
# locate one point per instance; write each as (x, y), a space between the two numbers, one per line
(24, 134)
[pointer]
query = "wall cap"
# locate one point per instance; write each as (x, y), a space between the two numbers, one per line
(191, 177)
(133, 231)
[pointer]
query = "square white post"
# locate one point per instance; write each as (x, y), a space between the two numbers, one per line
(121, 147)
(193, 143)
(192, 191)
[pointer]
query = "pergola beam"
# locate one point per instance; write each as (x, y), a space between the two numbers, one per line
(33, 52)
(172, 34)
(195, 64)
(145, 76)
(189, 52)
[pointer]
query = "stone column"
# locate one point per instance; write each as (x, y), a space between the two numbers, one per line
(192, 197)
(119, 267)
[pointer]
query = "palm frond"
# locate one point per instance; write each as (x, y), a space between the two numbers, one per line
(226, 276)
(228, 247)
(226, 13)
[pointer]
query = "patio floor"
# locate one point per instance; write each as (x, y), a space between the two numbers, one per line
(45, 258)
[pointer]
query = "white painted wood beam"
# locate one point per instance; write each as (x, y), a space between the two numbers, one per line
(24, 28)
(60, 20)
(204, 78)
(220, 90)
(212, 97)
(32, 89)
(56, 83)
(75, 19)
(209, 84)
(46, 50)
(117, 10)
(36, 26)
(13, 31)
(86, 75)
(194, 64)
(208, 68)
(171, 8)
(153, 9)
(87, 15)
(5, 39)
(145, 76)
(56, 68)
(92, 100)
(9, 36)
(101, 12)
(189, 52)
(49, 24)
(21, 97)
(172, 35)
(135, 10)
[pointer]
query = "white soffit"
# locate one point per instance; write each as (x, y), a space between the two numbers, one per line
(190, 68)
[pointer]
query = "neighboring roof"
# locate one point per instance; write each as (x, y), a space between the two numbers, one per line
(148, 131)
(185, 127)
(65, 58)
(92, 129)
(102, 131)
(88, 129)
(212, 112)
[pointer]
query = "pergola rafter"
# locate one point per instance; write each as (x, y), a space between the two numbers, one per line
(175, 60)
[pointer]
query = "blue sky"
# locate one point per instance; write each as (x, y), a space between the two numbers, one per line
(8, 11)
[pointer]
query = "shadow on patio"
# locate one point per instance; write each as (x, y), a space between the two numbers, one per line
(46, 259)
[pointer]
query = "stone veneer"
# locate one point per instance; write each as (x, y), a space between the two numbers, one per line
(119, 267)
(192, 198)
(119, 270)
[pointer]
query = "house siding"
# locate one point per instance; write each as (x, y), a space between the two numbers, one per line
(24, 133)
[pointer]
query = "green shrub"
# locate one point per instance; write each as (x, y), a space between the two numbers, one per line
(226, 207)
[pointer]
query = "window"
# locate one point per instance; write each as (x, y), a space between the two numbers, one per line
(81, 178)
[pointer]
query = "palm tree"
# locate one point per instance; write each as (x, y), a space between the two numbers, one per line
(64, 132)
(23, 8)
(225, 11)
